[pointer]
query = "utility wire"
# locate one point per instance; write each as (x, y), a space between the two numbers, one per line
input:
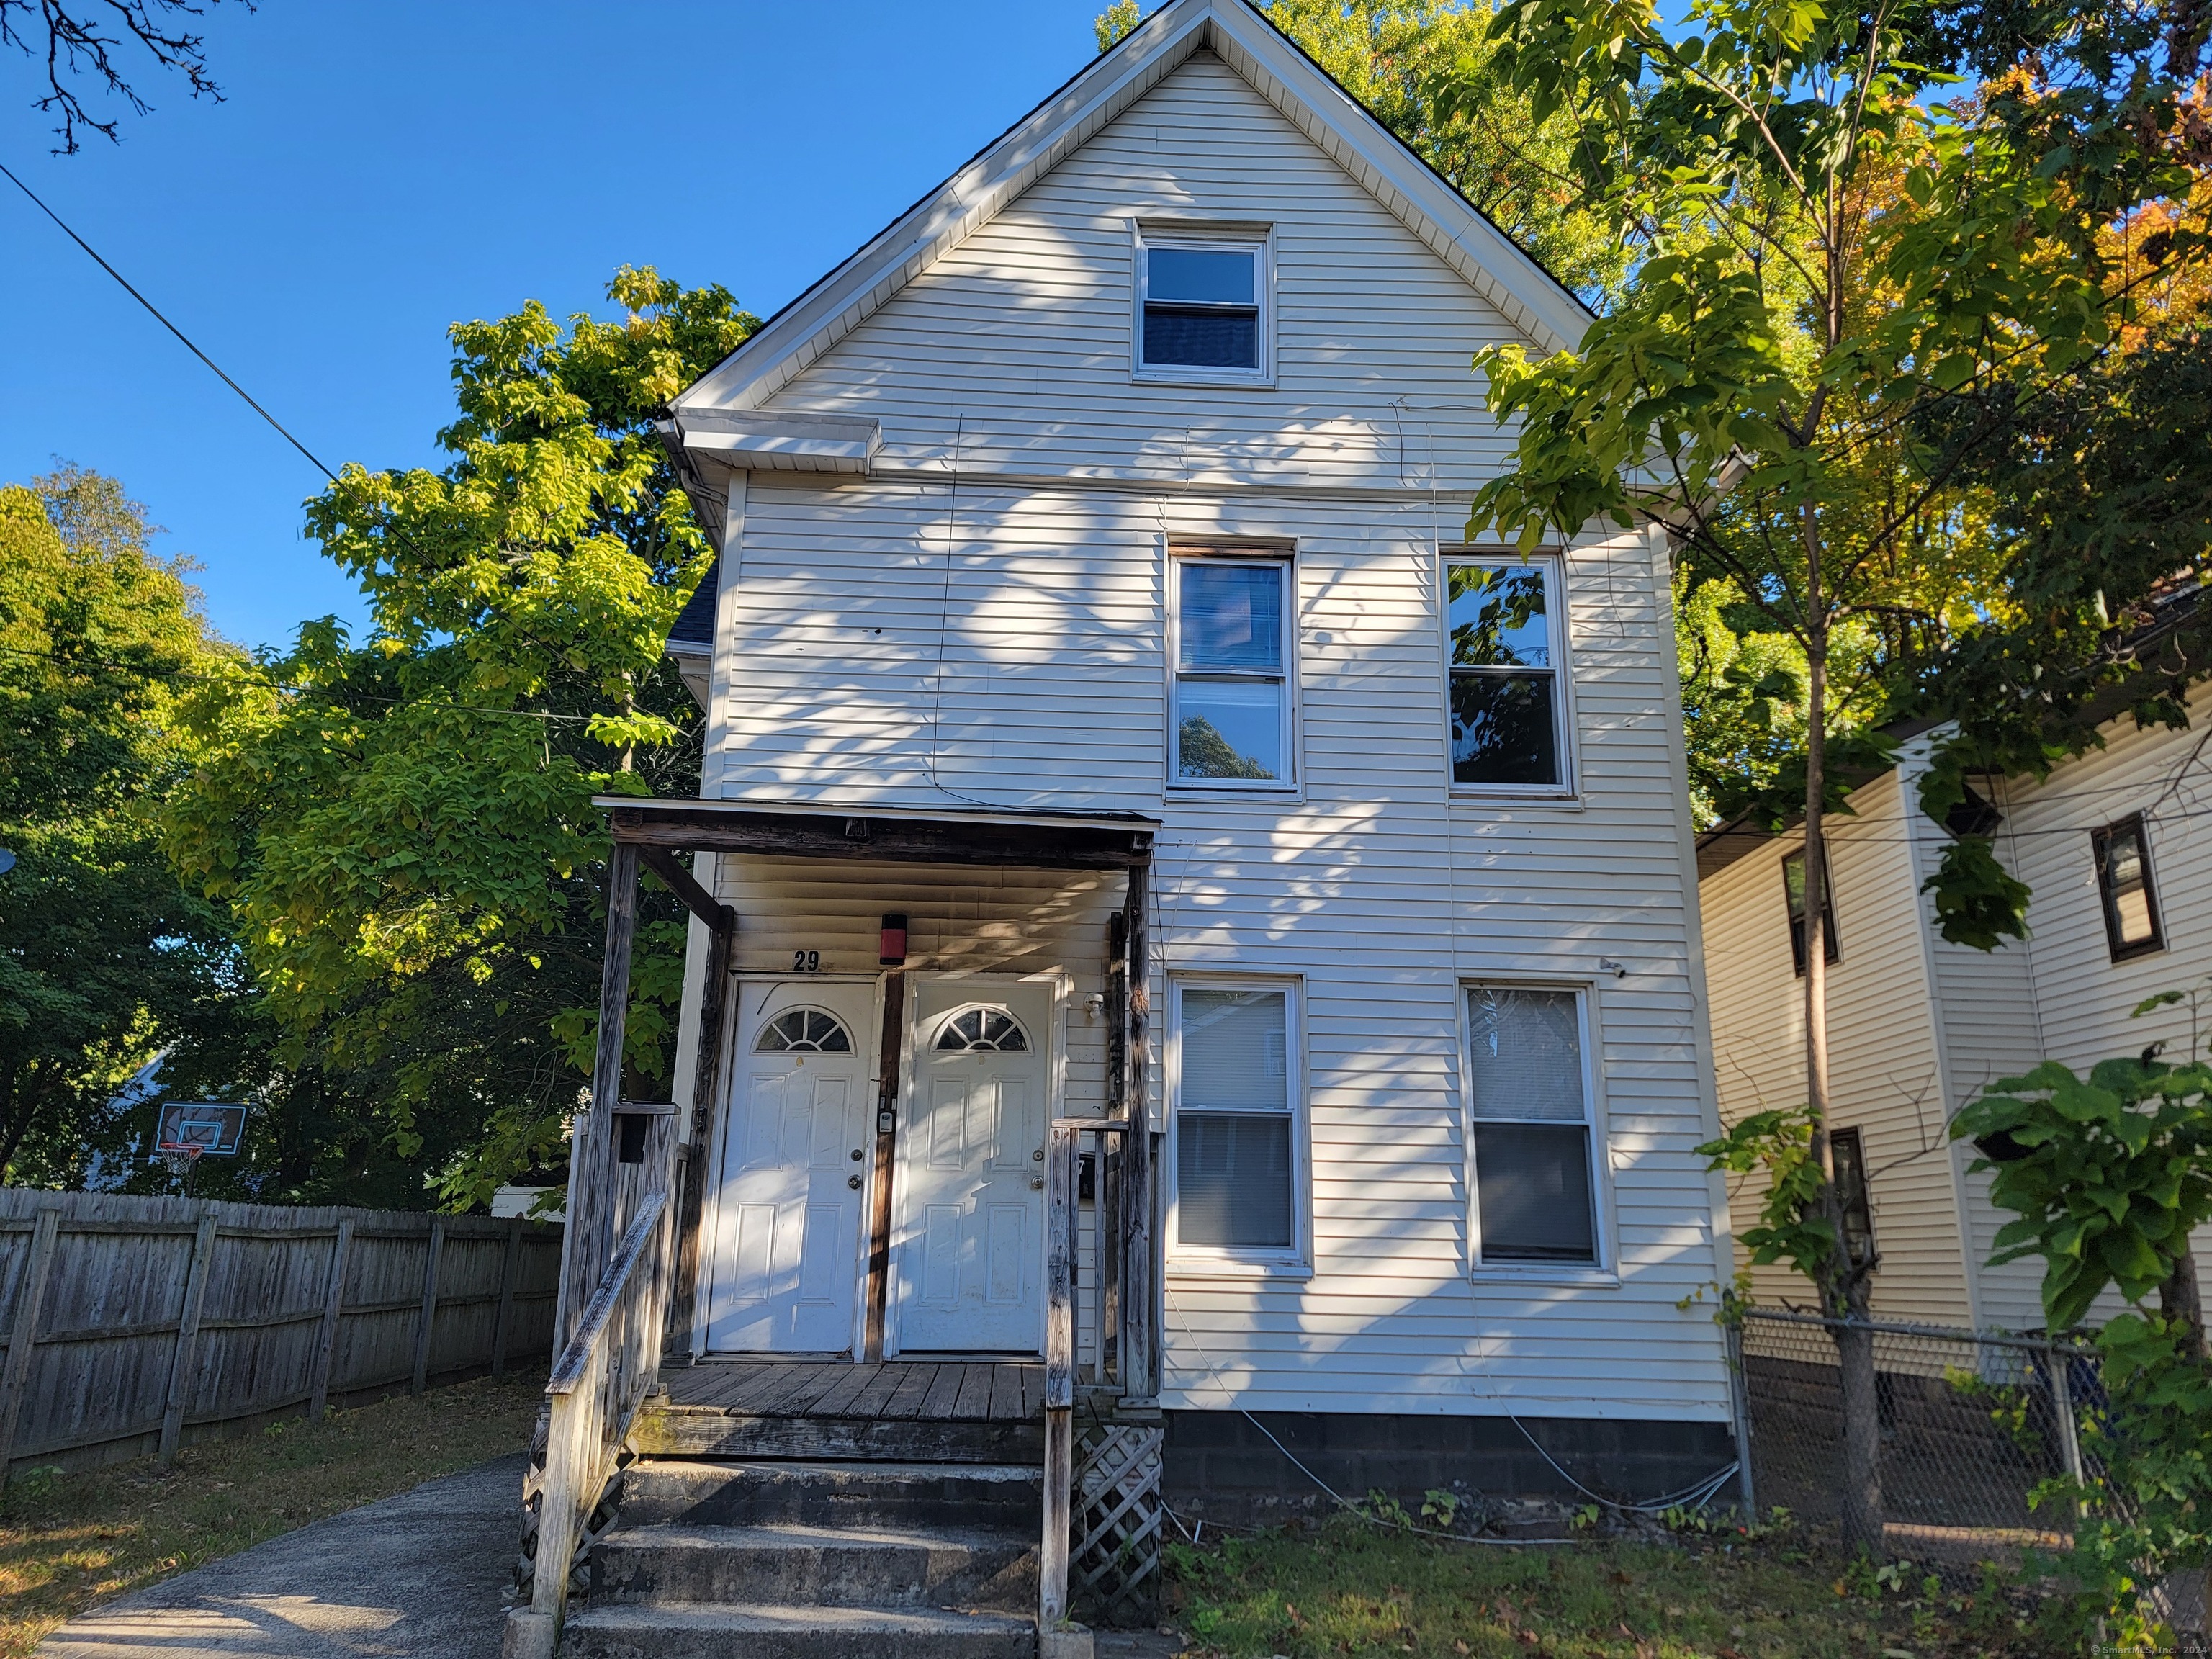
(155, 311)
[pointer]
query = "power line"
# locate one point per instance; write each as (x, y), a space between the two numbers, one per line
(155, 312)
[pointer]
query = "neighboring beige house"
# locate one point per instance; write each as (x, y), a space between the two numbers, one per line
(2118, 847)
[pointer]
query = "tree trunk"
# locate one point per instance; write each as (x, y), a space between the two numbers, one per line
(2179, 1298)
(1843, 1284)
(2187, 1593)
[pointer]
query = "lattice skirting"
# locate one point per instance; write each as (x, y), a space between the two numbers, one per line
(602, 1519)
(1114, 1567)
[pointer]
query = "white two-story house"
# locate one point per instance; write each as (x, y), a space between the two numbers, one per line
(1093, 598)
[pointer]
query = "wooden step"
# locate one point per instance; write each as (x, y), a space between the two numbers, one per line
(682, 1631)
(699, 1492)
(702, 1431)
(790, 1564)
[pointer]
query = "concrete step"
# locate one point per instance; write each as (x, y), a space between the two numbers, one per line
(668, 1431)
(670, 1631)
(660, 1490)
(790, 1564)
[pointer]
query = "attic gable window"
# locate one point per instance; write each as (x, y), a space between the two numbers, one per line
(1202, 309)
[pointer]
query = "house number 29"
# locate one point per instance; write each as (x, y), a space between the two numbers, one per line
(806, 961)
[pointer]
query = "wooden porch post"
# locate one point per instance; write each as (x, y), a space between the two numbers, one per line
(1140, 1287)
(1106, 1196)
(587, 1240)
(879, 1196)
(691, 1174)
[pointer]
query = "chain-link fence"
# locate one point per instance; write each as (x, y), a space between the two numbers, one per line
(1971, 1423)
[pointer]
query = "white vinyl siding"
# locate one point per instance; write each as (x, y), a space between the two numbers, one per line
(983, 621)
(1034, 311)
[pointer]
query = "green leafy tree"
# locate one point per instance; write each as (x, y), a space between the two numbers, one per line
(1427, 69)
(2101, 514)
(1827, 262)
(2107, 1177)
(104, 960)
(1424, 69)
(401, 828)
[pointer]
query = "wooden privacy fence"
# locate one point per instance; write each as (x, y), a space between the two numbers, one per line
(132, 1325)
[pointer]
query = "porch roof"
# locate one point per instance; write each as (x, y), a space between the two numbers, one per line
(1034, 840)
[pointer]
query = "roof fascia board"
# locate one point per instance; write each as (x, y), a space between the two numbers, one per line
(779, 442)
(859, 287)
(1486, 259)
(736, 806)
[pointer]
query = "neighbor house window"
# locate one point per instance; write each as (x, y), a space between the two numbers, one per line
(1531, 1121)
(2123, 852)
(1508, 715)
(1793, 893)
(1229, 718)
(1202, 309)
(1235, 1128)
(1847, 1152)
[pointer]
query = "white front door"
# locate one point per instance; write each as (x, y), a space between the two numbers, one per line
(971, 1155)
(793, 1172)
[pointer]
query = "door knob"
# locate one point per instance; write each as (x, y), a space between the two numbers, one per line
(854, 1181)
(1036, 1183)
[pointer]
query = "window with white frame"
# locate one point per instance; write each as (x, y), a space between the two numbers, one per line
(1229, 710)
(1529, 1118)
(1507, 699)
(1236, 1121)
(1201, 308)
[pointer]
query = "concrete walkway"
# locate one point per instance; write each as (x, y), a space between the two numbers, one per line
(419, 1575)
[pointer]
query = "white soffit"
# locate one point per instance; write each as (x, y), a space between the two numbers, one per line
(781, 443)
(1488, 260)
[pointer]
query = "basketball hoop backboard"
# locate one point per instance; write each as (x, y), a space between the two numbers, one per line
(202, 1128)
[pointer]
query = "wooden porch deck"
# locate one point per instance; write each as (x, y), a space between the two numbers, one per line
(897, 1390)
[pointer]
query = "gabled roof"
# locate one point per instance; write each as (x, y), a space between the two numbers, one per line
(1489, 261)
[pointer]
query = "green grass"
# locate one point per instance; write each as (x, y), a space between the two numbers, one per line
(68, 1541)
(1347, 1587)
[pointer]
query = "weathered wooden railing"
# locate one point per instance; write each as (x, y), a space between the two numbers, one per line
(1063, 1160)
(622, 1167)
(1115, 1483)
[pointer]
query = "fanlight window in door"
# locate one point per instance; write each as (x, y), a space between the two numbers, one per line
(983, 1031)
(804, 1030)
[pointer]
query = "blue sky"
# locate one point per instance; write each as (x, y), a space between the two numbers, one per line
(384, 168)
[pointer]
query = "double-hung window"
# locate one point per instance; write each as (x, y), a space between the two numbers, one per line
(1235, 1121)
(2124, 885)
(1530, 1120)
(1793, 894)
(1202, 309)
(1230, 710)
(1507, 706)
